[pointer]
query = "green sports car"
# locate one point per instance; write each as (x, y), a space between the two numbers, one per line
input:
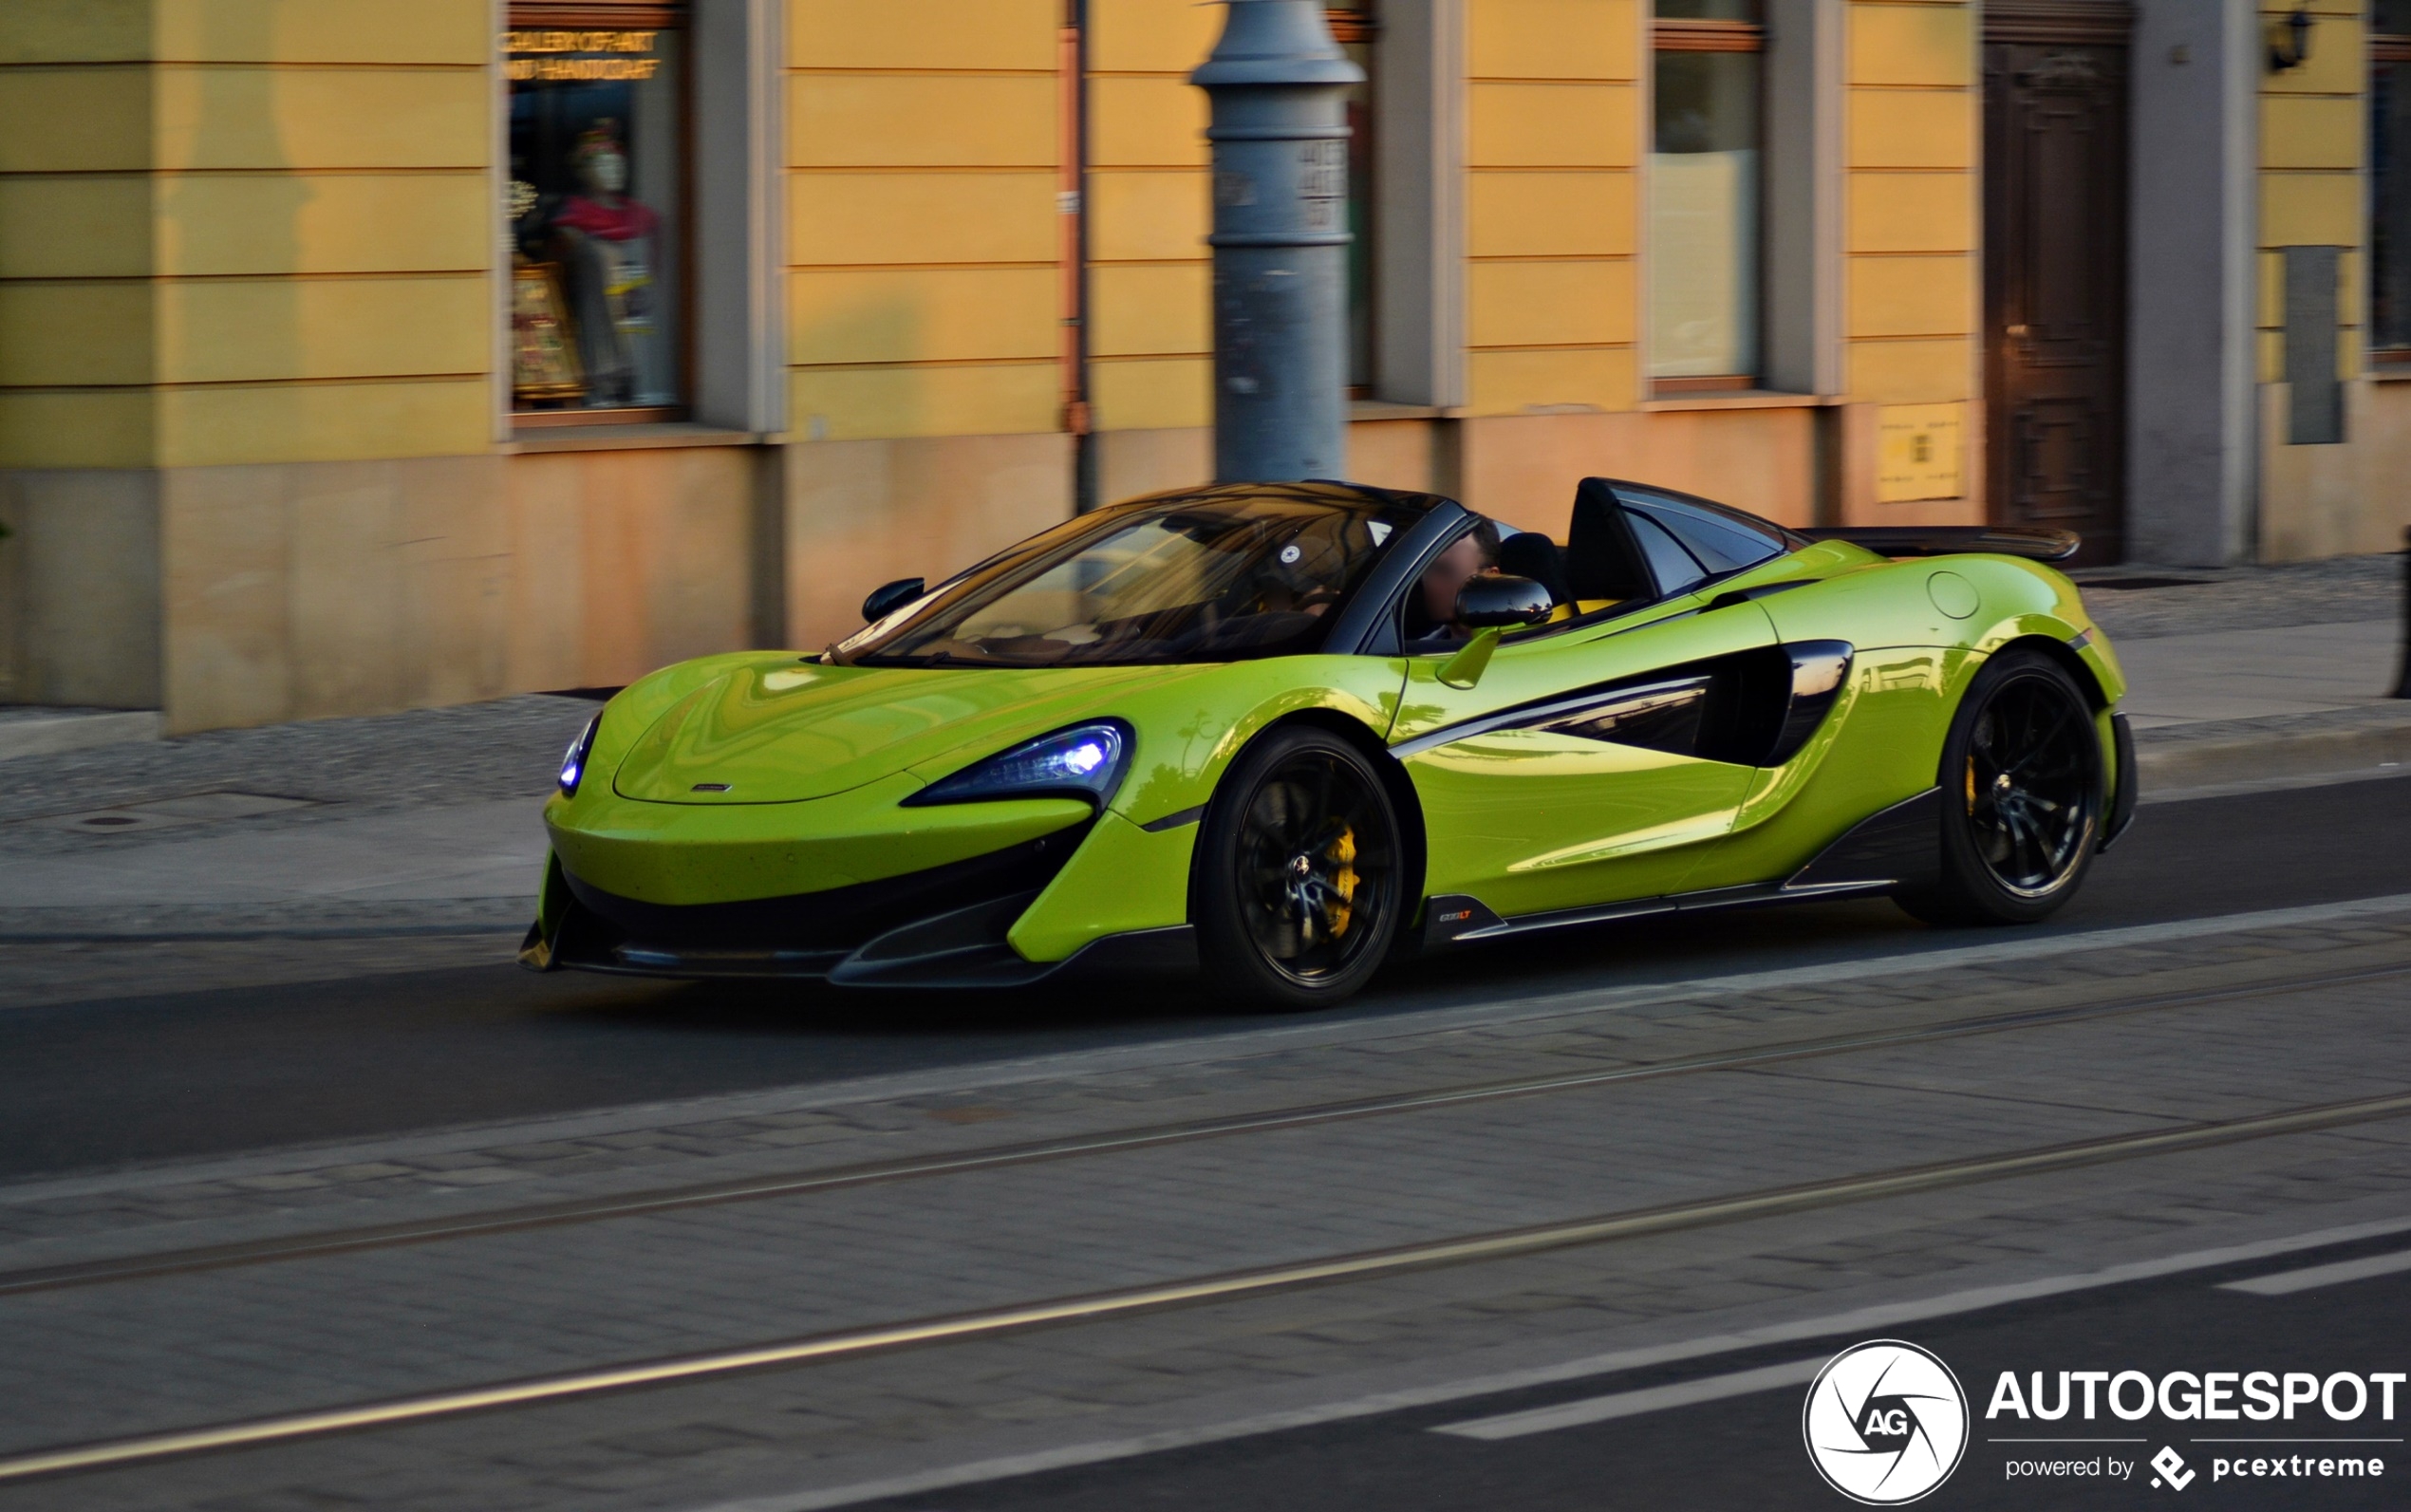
(1288, 732)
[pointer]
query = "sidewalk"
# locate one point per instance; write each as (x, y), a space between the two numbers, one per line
(426, 823)
(2252, 675)
(417, 823)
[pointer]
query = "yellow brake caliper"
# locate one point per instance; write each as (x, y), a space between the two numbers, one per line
(1344, 851)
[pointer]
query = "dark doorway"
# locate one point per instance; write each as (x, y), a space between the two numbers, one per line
(2055, 266)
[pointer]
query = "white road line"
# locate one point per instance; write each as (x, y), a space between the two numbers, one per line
(2285, 1284)
(1866, 1322)
(1632, 1404)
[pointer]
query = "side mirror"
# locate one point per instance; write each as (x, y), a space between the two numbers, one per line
(890, 597)
(1502, 602)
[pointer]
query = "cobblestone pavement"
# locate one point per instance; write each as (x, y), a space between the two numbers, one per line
(345, 767)
(2158, 1028)
(2245, 598)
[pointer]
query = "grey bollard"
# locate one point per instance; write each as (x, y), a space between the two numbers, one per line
(1280, 239)
(2403, 676)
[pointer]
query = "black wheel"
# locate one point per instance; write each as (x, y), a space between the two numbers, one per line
(2022, 798)
(1294, 890)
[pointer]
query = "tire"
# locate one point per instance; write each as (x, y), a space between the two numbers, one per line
(1295, 888)
(2022, 790)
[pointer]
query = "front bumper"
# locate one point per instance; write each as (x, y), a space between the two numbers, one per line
(955, 925)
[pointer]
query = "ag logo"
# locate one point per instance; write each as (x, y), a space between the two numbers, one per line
(1885, 1422)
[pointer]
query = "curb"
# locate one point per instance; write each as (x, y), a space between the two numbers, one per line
(51, 731)
(415, 918)
(2340, 744)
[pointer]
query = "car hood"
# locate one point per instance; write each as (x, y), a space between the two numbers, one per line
(783, 732)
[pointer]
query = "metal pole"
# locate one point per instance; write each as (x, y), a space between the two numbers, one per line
(2403, 677)
(1071, 200)
(1280, 242)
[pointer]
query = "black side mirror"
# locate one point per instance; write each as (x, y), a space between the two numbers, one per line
(1494, 600)
(889, 597)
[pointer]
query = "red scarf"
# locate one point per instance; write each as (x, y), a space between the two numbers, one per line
(626, 222)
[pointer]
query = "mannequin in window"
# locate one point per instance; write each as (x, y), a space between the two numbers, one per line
(606, 241)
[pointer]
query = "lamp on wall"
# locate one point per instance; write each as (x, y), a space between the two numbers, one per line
(2290, 40)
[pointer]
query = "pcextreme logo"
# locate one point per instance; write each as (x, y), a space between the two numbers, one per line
(1885, 1422)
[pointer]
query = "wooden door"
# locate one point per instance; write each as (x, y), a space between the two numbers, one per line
(2055, 266)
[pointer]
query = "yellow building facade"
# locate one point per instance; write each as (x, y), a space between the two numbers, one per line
(337, 377)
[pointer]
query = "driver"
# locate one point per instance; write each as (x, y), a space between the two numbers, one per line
(1431, 615)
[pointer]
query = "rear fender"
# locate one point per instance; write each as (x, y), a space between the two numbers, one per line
(2025, 601)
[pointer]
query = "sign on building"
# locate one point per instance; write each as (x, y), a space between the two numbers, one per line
(1919, 452)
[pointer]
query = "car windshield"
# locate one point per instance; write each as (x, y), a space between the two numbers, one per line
(1200, 579)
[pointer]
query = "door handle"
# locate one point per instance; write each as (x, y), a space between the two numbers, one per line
(2018, 331)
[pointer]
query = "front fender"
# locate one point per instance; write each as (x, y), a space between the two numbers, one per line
(1192, 727)
(1132, 873)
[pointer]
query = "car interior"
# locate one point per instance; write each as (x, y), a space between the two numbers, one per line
(1625, 551)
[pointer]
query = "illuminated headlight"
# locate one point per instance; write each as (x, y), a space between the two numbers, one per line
(1085, 761)
(574, 760)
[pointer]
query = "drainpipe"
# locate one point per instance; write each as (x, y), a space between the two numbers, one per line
(1071, 202)
(1280, 242)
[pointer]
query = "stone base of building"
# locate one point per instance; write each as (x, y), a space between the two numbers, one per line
(231, 596)
(79, 589)
(2344, 498)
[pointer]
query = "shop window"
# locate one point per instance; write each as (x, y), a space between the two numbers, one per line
(1352, 26)
(597, 212)
(2390, 183)
(1705, 196)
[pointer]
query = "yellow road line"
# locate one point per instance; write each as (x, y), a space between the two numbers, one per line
(1441, 1252)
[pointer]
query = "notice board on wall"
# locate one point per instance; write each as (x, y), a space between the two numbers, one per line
(1919, 450)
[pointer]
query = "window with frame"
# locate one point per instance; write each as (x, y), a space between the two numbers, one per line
(1352, 26)
(1705, 196)
(597, 211)
(2390, 182)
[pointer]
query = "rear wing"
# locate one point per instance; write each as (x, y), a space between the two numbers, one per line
(2035, 544)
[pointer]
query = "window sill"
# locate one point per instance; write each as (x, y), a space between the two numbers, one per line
(660, 437)
(1752, 398)
(2390, 372)
(1381, 409)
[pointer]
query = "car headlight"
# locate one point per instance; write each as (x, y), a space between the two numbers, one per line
(1084, 761)
(574, 760)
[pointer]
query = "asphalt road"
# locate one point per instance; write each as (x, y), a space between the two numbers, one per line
(100, 1083)
(1747, 1451)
